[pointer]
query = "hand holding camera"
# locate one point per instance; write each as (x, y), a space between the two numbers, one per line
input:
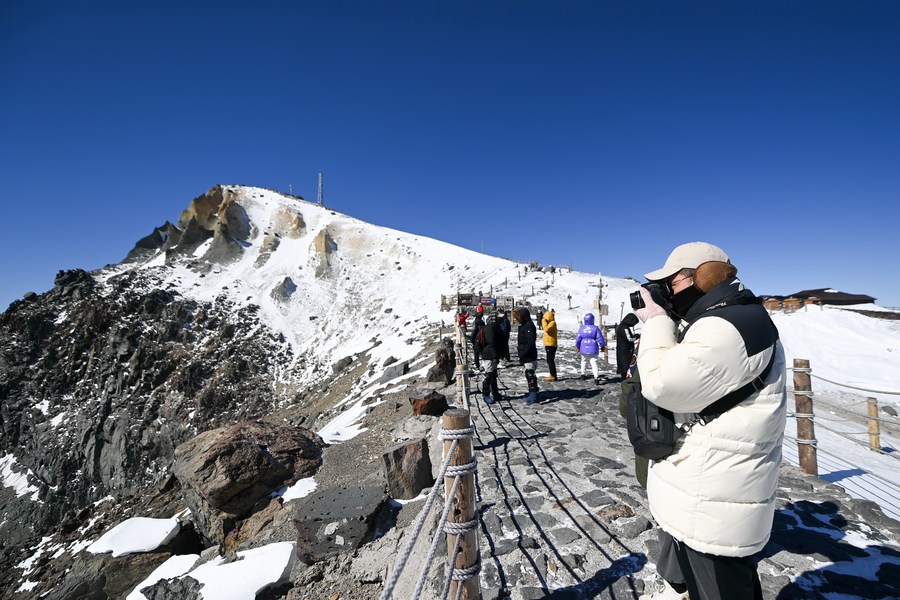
(651, 300)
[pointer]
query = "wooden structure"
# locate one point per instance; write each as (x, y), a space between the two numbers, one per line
(806, 432)
(463, 509)
(874, 428)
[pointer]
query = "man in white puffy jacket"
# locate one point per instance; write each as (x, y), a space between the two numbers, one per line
(715, 494)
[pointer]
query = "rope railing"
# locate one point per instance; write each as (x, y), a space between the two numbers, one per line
(852, 413)
(847, 385)
(457, 433)
(462, 369)
(806, 439)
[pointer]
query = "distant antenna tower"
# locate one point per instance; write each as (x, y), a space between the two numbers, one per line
(321, 196)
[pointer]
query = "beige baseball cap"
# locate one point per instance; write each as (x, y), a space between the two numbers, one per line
(688, 256)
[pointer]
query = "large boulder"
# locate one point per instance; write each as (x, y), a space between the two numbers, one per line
(339, 519)
(228, 473)
(444, 366)
(393, 371)
(407, 468)
(428, 402)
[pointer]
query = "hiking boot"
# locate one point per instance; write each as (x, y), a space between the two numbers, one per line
(488, 400)
(550, 378)
(531, 398)
(596, 381)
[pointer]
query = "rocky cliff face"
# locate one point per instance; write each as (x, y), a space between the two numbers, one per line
(98, 389)
(102, 378)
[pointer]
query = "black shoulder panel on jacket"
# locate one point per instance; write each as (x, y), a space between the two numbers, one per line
(739, 306)
(753, 323)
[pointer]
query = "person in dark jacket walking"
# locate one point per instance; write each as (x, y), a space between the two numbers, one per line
(491, 346)
(505, 328)
(527, 350)
(476, 329)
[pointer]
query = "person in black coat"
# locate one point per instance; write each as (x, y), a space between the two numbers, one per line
(476, 329)
(491, 345)
(505, 328)
(625, 337)
(527, 350)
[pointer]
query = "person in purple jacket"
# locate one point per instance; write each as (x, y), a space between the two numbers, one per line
(589, 342)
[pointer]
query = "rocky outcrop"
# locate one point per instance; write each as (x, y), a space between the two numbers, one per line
(323, 245)
(284, 290)
(216, 214)
(339, 519)
(444, 363)
(100, 384)
(428, 402)
(407, 468)
(226, 474)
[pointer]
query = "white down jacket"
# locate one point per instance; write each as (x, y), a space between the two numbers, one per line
(716, 492)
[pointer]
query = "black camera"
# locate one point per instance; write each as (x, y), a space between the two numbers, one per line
(659, 291)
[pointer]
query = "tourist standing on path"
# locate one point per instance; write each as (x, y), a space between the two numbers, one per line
(491, 346)
(589, 342)
(625, 342)
(476, 328)
(505, 329)
(462, 319)
(527, 350)
(548, 324)
(715, 494)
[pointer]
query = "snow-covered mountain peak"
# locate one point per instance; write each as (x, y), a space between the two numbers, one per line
(324, 279)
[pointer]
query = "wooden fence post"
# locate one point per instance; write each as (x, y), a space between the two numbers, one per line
(806, 433)
(460, 368)
(874, 429)
(463, 508)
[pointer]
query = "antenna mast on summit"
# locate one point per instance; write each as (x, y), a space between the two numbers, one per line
(321, 196)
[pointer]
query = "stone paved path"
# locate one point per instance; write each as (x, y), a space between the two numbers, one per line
(560, 508)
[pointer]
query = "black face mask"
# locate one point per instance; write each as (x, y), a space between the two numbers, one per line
(684, 300)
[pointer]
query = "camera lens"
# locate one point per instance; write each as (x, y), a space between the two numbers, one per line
(636, 300)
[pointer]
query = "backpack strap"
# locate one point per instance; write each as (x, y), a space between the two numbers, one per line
(729, 401)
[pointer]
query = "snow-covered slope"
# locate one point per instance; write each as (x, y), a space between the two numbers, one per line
(330, 283)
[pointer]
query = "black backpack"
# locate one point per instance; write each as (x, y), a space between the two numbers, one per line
(652, 430)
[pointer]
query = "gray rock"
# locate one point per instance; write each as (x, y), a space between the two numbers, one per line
(336, 520)
(564, 535)
(407, 469)
(394, 371)
(226, 472)
(182, 588)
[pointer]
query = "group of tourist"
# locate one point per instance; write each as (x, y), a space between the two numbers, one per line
(490, 343)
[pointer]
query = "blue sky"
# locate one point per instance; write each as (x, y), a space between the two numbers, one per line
(600, 134)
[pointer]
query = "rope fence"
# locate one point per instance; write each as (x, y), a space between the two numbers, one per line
(458, 520)
(807, 444)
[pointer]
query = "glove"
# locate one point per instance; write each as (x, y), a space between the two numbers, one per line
(651, 309)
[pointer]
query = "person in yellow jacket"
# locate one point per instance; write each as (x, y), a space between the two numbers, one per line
(548, 325)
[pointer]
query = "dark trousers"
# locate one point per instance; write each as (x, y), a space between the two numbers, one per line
(489, 385)
(551, 359)
(531, 380)
(712, 577)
